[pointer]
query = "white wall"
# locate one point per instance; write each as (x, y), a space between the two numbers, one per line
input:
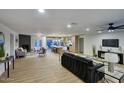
(6, 32)
(96, 40)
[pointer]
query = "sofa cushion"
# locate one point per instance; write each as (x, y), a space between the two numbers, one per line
(20, 49)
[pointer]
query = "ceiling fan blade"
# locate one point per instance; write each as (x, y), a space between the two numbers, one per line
(118, 27)
(121, 28)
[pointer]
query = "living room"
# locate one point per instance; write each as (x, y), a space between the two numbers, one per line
(65, 36)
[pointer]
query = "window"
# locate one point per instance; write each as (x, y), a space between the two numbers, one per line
(37, 44)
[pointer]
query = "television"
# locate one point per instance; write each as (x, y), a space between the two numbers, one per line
(110, 42)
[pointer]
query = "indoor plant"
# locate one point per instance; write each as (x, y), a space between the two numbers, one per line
(94, 51)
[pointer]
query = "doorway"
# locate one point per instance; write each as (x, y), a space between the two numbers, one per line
(12, 52)
(81, 45)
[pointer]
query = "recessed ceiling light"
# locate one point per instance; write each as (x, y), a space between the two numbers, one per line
(87, 29)
(99, 31)
(73, 23)
(41, 10)
(109, 30)
(69, 26)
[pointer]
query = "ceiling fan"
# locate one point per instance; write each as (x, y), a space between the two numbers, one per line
(111, 27)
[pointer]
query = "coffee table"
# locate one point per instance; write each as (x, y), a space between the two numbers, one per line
(119, 75)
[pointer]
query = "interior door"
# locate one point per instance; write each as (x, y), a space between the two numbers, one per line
(12, 52)
(81, 45)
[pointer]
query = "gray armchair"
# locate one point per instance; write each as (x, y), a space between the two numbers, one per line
(20, 52)
(42, 51)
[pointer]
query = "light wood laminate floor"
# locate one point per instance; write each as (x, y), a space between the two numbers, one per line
(35, 69)
(47, 69)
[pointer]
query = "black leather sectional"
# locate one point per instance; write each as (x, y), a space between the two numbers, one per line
(82, 67)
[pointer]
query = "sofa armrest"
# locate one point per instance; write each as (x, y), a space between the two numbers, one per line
(95, 67)
(92, 74)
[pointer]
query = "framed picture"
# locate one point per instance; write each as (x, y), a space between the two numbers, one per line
(2, 39)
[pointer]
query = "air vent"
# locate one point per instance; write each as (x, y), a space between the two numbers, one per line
(73, 23)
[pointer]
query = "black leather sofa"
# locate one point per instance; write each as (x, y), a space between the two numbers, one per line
(82, 67)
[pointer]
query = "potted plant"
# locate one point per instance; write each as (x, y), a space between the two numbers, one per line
(94, 51)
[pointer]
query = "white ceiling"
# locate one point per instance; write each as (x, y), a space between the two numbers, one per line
(54, 21)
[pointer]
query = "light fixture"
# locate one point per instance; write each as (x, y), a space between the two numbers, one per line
(110, 30)
(41, 10)
(87, 29)
(99, 31)
(68, 26)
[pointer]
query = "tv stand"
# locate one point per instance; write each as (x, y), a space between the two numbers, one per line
(100, 53)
